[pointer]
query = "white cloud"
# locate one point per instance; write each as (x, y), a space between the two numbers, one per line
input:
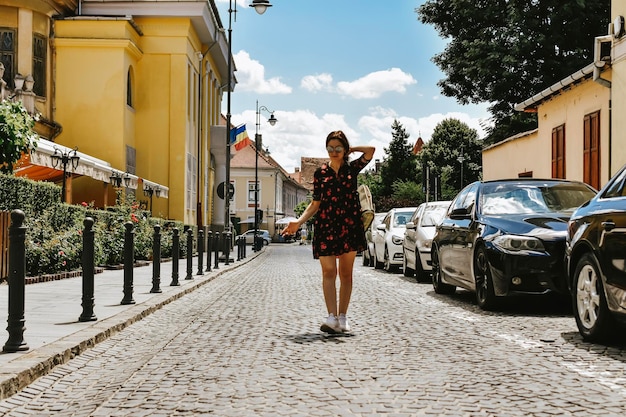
(374, 84)
(251, 77)
(320, 82)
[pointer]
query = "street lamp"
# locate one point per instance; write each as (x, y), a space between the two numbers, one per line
(117, 177)
(260, 6)
(461, 158)
(258, 144)
(64, 158)
(149, 190)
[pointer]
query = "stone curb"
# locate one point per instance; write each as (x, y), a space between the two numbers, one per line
(21, 372)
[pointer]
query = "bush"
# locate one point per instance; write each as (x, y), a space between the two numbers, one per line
(54, 235)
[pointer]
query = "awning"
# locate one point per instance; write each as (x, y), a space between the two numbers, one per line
(38, 165)
(286, 220)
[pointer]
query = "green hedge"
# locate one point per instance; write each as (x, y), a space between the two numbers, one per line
(54, 234)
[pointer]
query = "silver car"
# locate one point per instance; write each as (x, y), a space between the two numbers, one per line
(418, 238)
(368, 254)
(264, 234)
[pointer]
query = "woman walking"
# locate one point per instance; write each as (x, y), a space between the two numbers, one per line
(337, 230)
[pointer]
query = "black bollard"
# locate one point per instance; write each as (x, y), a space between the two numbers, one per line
(129, 263)
(156, 260)
(227, 237)
(238, 246)
(189, 254)
(216, 244)
(88, 271)
(200, 251)
(209, 237)
(17, 284)
(175, 257)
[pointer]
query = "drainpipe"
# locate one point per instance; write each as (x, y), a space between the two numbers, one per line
(598, 62)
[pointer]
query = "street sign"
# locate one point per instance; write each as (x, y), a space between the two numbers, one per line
(220, 190)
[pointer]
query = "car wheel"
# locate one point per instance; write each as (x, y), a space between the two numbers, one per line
(420, 274)
(408, 272)
(387, 265)
(485, 295)
(266, 242)
(438, 286)
(593, 317)
(377, 263)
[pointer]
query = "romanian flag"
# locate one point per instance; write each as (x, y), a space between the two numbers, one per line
(239, 137)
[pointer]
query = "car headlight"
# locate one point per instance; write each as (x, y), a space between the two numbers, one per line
(426, 244)
(519, 243)
(396, 240)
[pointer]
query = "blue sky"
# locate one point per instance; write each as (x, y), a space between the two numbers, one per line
(324, 65)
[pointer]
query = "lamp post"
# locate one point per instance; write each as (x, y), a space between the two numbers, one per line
(461, 158)
(65, 158)
(260, 6)
(149, 190)
(258, 144)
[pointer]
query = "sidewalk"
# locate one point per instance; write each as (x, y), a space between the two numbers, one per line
(53, 333)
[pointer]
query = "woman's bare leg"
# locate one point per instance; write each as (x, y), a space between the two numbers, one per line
(329, 277)
(346, 264)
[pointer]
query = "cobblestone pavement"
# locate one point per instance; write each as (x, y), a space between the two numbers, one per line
(248, 344)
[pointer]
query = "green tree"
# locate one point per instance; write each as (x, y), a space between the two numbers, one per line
(452, 140)
(400, 163)
(504, 51)
(16, 133)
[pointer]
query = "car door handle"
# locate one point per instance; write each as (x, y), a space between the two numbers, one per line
(608, 226)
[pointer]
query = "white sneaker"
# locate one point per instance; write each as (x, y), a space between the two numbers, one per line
(331, 325)
(343, 323)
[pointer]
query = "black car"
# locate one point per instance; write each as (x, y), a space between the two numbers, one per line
(506, 237)
(596, 261)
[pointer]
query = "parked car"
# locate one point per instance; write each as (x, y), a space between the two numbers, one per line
(388, 244)
(507, 237)
(418, 238)
(264, 234)
(596, 261)
(368, 254)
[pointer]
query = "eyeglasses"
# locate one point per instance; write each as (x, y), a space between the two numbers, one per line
(337, 149)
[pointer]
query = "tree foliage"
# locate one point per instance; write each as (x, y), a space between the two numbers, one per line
(504, 51)
(16, 133)
(400, 163)
(451, 140)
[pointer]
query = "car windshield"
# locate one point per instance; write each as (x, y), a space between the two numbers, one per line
(401, 217)
(516, 198)
(433, 215)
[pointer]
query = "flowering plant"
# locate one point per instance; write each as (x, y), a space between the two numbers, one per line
(17, 133)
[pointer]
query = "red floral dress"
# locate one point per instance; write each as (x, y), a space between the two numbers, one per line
(337, 226)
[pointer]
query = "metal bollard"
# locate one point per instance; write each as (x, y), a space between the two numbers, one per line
(129, 263)
(209, 237)
(189, 254)
(217, 242)
(156, 260)
(17, 283)
(88, 271)
(200, 251)
(238, 246)
(227, 237)
(175, 257)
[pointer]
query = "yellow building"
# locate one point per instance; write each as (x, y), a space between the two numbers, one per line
(135, 85)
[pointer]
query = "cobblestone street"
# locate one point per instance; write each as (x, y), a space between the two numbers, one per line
(248, 344)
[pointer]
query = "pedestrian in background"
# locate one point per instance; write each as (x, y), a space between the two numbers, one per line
(337, 229)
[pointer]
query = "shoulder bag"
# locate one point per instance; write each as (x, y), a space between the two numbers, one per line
(367, 205)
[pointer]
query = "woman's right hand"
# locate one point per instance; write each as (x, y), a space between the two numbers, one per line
(291, 229)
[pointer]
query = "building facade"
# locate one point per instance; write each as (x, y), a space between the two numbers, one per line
(134, 85)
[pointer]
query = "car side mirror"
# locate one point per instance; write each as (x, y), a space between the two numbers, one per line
(381, 227)
(460, 213)
(410, 225)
